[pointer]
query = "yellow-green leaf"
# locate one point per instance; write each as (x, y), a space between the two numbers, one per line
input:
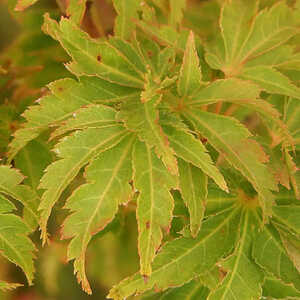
(154, 203)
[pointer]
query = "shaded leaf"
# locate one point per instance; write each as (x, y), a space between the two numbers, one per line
(244, 278)
(10, 180)
(278, 290)
(230, 139)
(15, 244)
(189, 291)
(32, 166)
(182, 259)
(289, 215)
(269, 253)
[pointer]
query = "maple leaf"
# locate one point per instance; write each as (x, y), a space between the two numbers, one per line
(15, 244)
(180, 260)
(154, 203)
(107, 187)
(247, 34)
(239, 266)
(198, 145)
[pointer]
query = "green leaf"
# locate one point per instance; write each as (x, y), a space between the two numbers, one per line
(10, 180)
(238, 92)
(271, 81)
(143, 117)
(190, 149)
(212, 278)
(6, 205)
(127, 12)
(193, 187)
(8, 286)
(218, 200)
(67, 97)
(15, 244)
(228, 90)
(32, 166)
(182, 259)
(166, 35)
(231, 140)
(176, 11)
(190, 72)
(244, 278)
(291, 112)
(75, 10)
(248, 34)
(95, 203)
(234, 23)
(23, 4)
(292, 246)
(280, 58)
(90, 116)
(74, 152)
(269, 253)
(278, 290)
(270, 29)
(154, 203)
(92, 57)
(189, 291)
(289, 215)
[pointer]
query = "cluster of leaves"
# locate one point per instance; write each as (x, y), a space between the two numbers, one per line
(160, 116)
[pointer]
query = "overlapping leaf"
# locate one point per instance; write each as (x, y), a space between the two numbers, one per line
(9, 185)
(176, 11)
(149, 74)
(232, 141)
(127, 12)
(193, 290)
(14, 242)
(278, 290)
(193, 187)
(244, 278)
(143, 118)
(248, 34)
(190, 149)
(95, 203)
(92, 57)
(74, 152)
(270, 254)
(67, 97)
(182, 259)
